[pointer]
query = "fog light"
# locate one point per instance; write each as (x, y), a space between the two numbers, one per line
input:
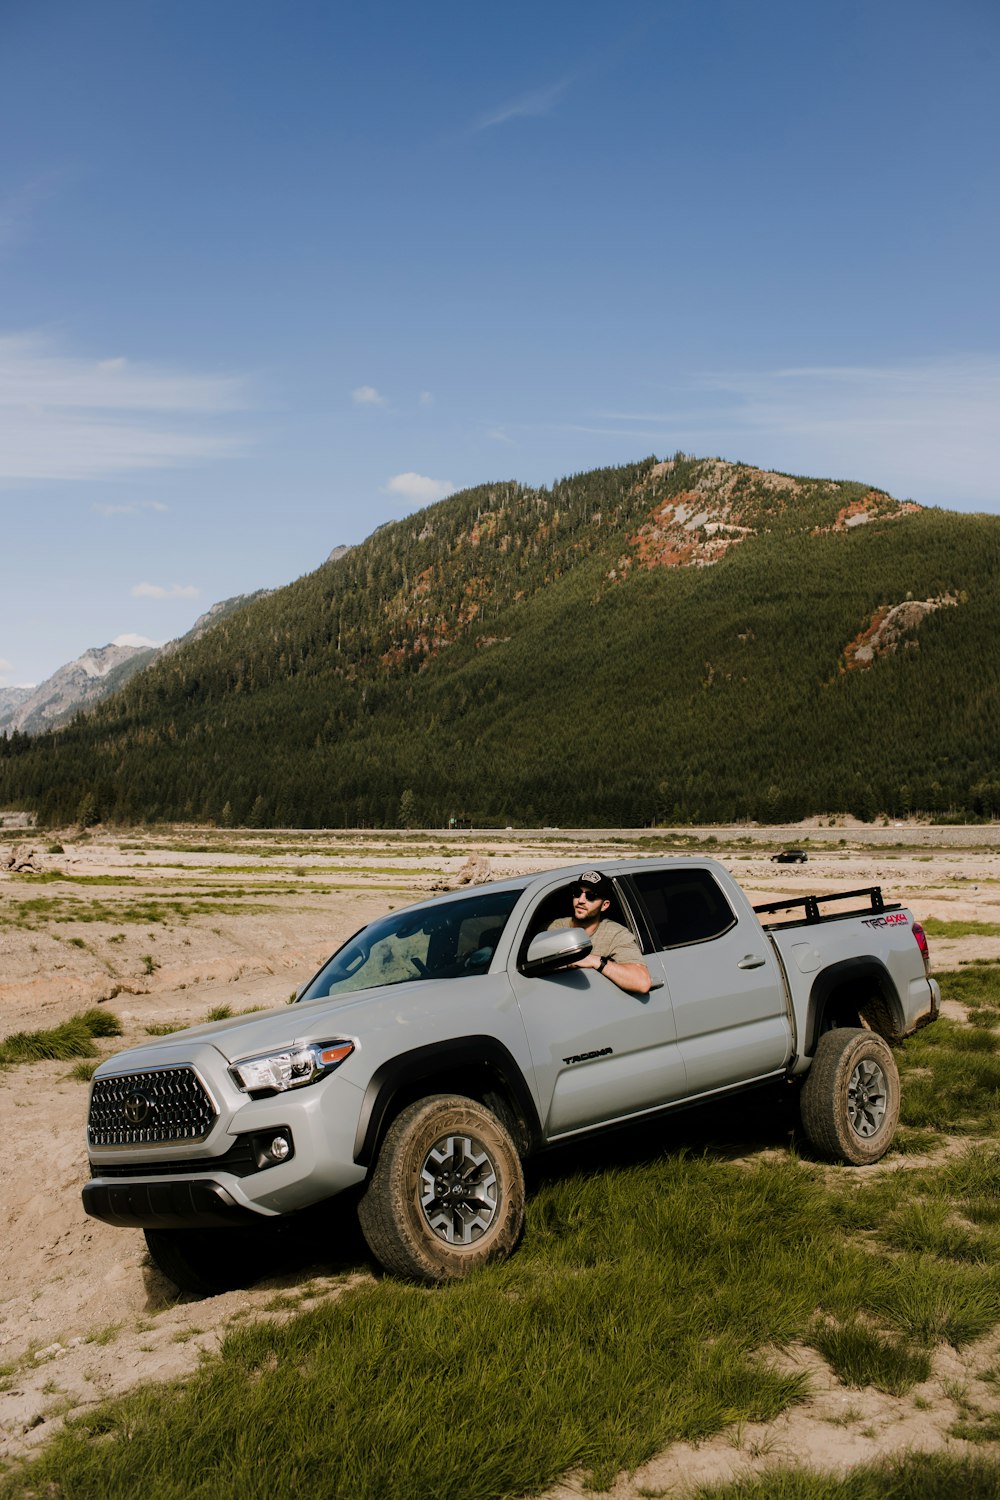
(279, 1148)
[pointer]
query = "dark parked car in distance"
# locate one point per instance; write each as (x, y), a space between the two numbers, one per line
(789, 857)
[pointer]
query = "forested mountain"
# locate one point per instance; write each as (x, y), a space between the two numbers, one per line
(688, 640)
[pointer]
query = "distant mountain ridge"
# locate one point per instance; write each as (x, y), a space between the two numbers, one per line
(683, 640)
(94, 676)
(11, 699)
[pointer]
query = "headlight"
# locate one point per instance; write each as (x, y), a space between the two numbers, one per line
(276, 1072)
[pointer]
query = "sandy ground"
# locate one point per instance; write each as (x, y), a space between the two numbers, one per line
(180, 923)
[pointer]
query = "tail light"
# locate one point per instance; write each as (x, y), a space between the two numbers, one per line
(921, 937)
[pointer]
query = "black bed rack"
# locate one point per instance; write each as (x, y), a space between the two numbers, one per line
(811, 904)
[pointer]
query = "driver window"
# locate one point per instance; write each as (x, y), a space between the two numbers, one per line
(558, 904)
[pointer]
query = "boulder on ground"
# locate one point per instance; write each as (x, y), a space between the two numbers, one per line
(23, 861)
(475, 871)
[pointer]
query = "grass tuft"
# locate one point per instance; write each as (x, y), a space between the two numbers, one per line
(83, 1072)
(72, 1038)
(863, 1356)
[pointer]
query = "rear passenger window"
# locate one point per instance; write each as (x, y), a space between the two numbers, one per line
(684, 906)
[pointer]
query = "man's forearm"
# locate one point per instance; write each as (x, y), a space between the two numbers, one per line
(632, 977)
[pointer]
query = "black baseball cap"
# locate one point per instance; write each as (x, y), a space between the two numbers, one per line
(599, 884)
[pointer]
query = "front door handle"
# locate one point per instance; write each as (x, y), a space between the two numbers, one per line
(751, 961)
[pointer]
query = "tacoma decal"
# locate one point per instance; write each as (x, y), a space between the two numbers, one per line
(586, 1056)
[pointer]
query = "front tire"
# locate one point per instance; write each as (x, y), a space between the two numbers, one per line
(447, 1192)
(204, 1261)
(850, 1098)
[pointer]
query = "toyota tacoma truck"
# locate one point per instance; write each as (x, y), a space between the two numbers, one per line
(446, 1042)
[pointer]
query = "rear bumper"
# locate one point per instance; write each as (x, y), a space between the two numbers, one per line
(935, 1008)
(194, 1204)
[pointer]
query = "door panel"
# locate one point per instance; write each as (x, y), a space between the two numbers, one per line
(635, 1063)
(724, 982)
(731, 1022)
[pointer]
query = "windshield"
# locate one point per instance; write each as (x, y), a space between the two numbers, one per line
(428, 942)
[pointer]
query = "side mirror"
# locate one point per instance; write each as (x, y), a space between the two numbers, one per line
(554, 950)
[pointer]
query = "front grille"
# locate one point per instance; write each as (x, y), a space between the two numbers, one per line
(165, 1104)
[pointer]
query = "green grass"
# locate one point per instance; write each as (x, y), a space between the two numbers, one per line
(862, 1356)
(935, 927)
(72, 1038)
(650, 1281)
(976, 983)
(950, 1071)
(639, 1302)
(917, 1476)
(84, 1071)
(40, 911)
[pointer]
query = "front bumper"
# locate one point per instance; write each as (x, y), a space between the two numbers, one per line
(198, 1203)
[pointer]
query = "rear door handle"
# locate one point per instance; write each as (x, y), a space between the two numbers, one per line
(751, 961)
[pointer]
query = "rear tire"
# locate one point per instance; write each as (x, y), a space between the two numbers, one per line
(447, 1192)
(850, 1098)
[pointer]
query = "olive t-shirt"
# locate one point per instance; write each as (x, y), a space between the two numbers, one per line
(610, 940)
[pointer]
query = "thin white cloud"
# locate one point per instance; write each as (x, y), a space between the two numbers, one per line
(17, 209)
(426, 398)
(367, 395)
(539, 101)
(500, 435)
(133, 509)
(6, 670)
(157, 591)
(63, 417)
(418, 488)
(130, 639)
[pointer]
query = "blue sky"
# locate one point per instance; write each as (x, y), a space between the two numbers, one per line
(273, 273)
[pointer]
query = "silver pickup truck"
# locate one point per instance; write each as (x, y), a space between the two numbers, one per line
(442, 1044)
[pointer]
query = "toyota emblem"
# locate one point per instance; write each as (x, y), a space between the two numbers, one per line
(137, 1109)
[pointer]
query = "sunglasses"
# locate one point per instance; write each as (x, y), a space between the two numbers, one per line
(586, 890)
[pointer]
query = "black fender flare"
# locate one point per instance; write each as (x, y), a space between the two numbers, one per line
(850, 972)
(478, 1053)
